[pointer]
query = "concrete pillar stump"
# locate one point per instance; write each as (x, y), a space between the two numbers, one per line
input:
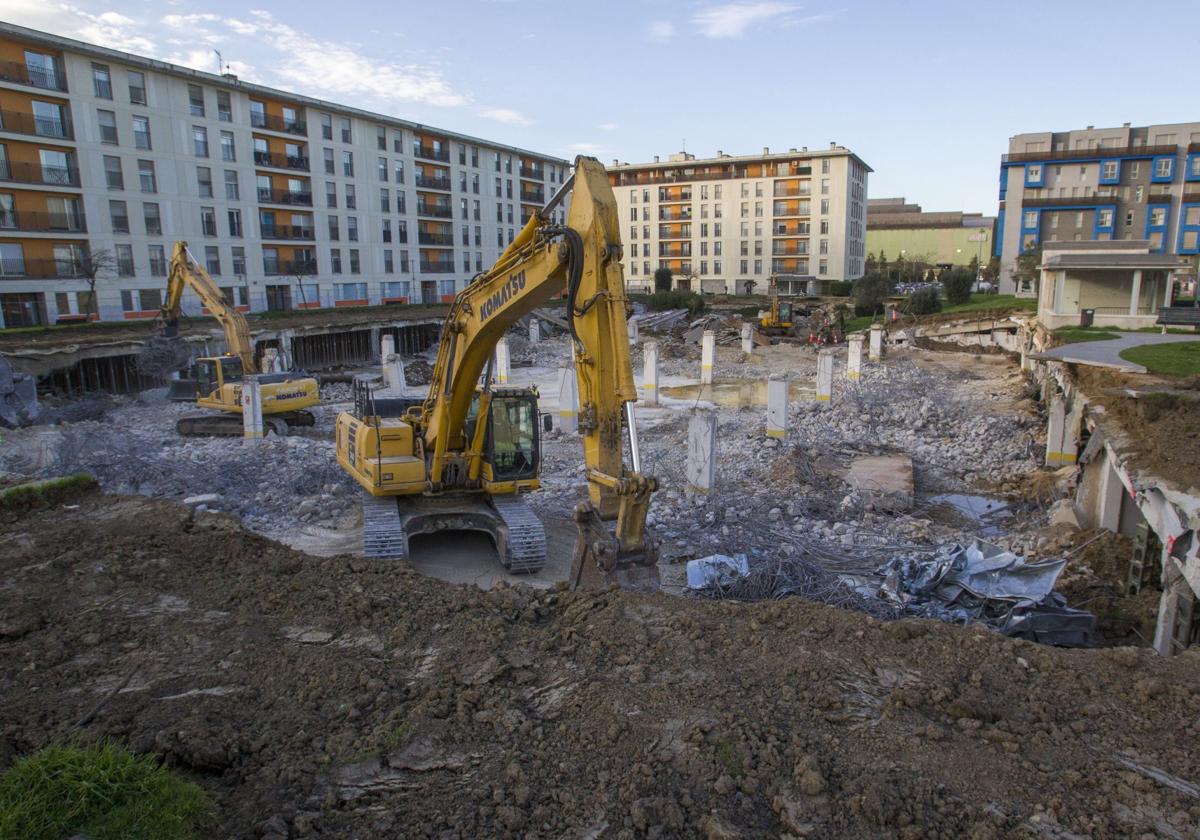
(708, 354)
(568, 400)
(631, 328)
(854, 357)
(824, 375)
(387, 347)
(535, 331)
(650, 373)
(702, 451)
(747, 338)
(252, 416)
(876, 352)
(1062, 432)
(777, 408)
(502, 361)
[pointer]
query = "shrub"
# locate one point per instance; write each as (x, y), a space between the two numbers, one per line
(103, 793)
(662, 279)
(957, 283)
(924, 302)
(840, 289)
(870, 292)
(676, 299)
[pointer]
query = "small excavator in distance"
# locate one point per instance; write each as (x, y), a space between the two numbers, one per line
(464, 457)
(216, 380)
(777, 321)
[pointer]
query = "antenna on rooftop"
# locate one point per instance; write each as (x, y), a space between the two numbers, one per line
(684, 149)
(220, 63)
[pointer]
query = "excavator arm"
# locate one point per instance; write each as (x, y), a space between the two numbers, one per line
(186, 272)
(582, 258)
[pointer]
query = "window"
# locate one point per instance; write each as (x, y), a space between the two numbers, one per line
(386, 232)
(334, 230)
(330, 168)
(824, 247)
(199, 141)
(330, 194)
(402, 231)
(385, 201)
(146, 177)
(158, 268)
(326, 127)
(824, 226)
(500, 187)
(239, 260)
(744, 266)
(1163, 166)
(1109, 170)
(108, 127)
(355, 266)
(228, 150)
(1158, 216)
(118, 213)
(113, 176)
(348, 164)
(1128, 218)
(823, 267)
(825, 166)
(204, 181)
(195, 100)
(234, 220)
(102, 81)
(232, 191)
(124, 255)
(346, 135)
(141, 133)
(1104, 218)
(212, 259)
(475, 183)
(137, 87)
(224, 106)
(1139, 194)
(1031, 219)
(352, 228)
(824, 206)
(152, 219)
(351, 198)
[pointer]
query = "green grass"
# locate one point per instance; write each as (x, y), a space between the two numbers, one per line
(993, 303)
(39, 493)
(104, 793)
(1076, 335)
(1182, 359)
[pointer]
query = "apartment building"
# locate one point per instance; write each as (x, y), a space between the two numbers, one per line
(107, 158)
(1098, 184)
(723, 225)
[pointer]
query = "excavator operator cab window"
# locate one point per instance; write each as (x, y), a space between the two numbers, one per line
(205, 373)
(231, 369)
(513, 443)
(785, 312)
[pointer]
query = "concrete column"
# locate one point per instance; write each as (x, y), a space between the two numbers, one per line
(568, 400)
(876, 343)
(502, 361)
(1168, 607)
(854, 357)
(1062, 432)
(393, 373)
(387, 347)
(535, 331)
(286, 360)
(702, 451)
(631, 328)
(708, 353)
(1136, 292)
(1112, 492)
(650, 372)
(825, 375)
(252, 416)
(747, 338)
(777, 408)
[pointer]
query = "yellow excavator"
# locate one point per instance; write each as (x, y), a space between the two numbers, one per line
(216, 380)
(464, 457)
(777, 321)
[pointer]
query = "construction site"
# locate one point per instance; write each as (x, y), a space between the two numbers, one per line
(687, 580)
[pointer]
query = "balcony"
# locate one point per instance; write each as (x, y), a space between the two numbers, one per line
(279, 161)
(274, 123)
(790, 229)
(792, 189)
(537, 196)
(423, 182)
(686, 233)
(681, 195)
(19, 122)
(38, 77)
(273, 196)
(674, 214)
(43, 269)
(789, 249)
(295, 267)
(38, 222)
(1072, 201)
(437, 211)
(435, 267)
(1088, 154)
(32, 173)
(430, 153)
(439, 240)
(288, 232)
(667, 252)
(782, 209)
(532, 172)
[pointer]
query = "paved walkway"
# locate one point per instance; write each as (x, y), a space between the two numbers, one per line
(1107, 353)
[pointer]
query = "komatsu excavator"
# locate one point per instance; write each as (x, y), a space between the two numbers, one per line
(216, 380)
(777, 321)
(463, 458)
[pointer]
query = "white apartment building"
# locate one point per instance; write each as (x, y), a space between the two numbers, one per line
(108, 158)
(723, 225)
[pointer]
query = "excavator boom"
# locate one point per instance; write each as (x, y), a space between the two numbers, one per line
(186, 272)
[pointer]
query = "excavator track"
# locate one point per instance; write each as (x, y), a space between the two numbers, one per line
(225, 425)
(383, 533)
(526, 535)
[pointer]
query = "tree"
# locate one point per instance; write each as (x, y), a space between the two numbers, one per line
(1028, 262)
(870, 266)
(90, 266)
(870, 292)
(992, 270)
(973, 266)
(956, 284)
(662, 279)
(749, 285)
(924, 301)
(930, 276)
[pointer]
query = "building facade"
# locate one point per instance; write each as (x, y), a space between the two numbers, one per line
(106, 159)
(1135, 183)
(723, 225)
(899, 229)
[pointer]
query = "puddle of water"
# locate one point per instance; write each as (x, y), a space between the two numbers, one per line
(986, 512)
(734, 393)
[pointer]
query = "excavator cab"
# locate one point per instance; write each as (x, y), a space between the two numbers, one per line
(512, 445)
(213, 372)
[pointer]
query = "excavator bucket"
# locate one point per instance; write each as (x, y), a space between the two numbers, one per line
(601, 563)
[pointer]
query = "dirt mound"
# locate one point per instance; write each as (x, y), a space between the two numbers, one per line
(345, 697)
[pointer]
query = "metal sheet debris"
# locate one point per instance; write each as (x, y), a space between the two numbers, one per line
(716, 570)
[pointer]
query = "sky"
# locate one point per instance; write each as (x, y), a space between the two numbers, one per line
(927, 92)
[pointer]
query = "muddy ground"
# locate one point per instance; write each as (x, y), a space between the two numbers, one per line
(342, 697)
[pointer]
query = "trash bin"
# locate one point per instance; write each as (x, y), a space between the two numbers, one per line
(1086, 317)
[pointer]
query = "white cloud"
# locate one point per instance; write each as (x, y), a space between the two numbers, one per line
(108, 29)
(508, 116)
(660, 30)
(731, 20)
(608, 126)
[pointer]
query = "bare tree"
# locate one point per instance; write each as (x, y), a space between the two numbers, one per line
(90, 265)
